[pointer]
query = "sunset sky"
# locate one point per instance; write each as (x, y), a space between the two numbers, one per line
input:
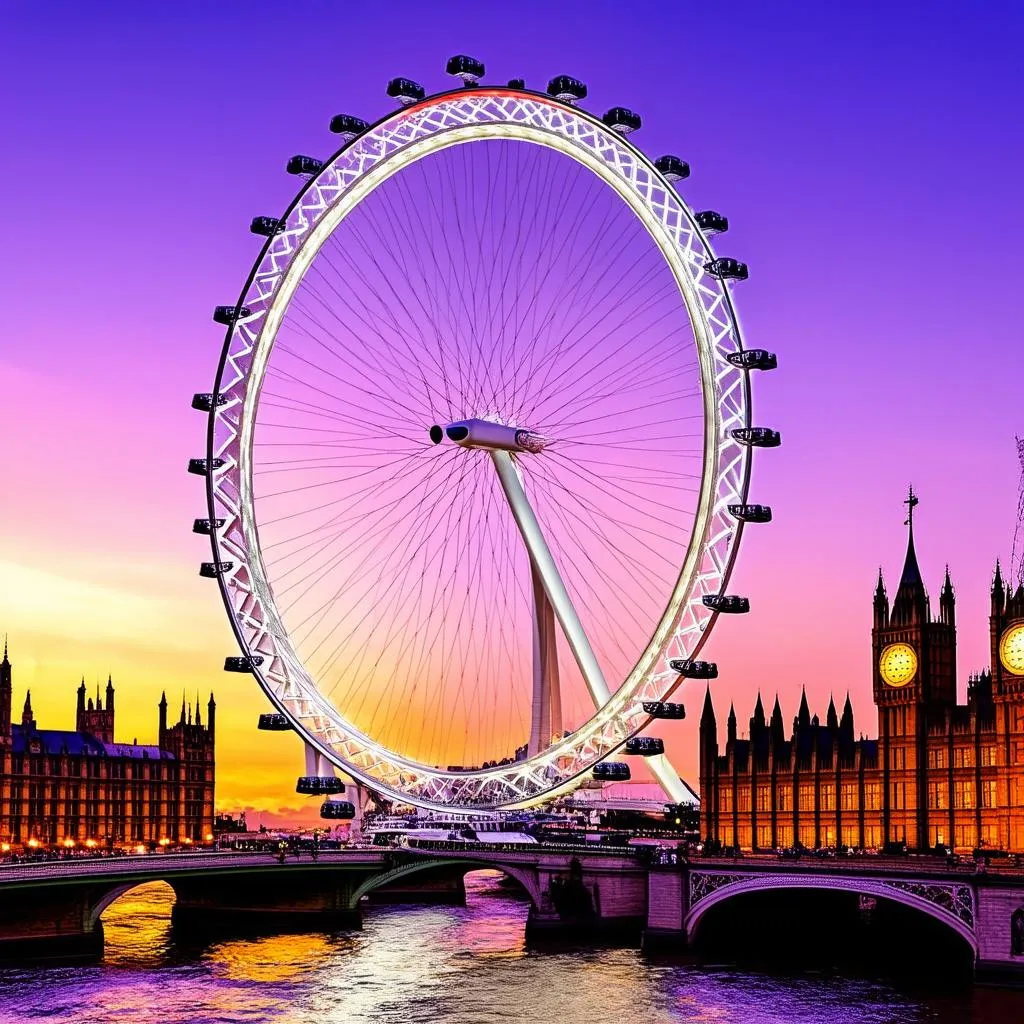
(869, 161)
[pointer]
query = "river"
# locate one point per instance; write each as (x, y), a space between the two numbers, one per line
(459, 965)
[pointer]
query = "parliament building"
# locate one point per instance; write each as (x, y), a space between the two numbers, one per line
(84, 789)
(940, 774)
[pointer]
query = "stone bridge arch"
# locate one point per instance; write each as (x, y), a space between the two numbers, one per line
(526, 877)
(951, 903)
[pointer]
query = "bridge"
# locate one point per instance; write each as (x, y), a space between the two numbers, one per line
(52, 909)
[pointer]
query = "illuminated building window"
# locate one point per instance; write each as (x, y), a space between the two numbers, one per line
(872, 837)
(989, 755)
(872, 796)
(938, 796)
(936, 836)
(898, 799)
(850, 835)
(963, 757)
(744, 837)
(785, 800)
(764, 836)
(963, 793)
(784, 834)
(848, 798)
(989, 796)
(725, 801)
(989, 835)
(764, 799)
(743, 799)
(807, 836)
(828, 798)
(965, 837)
(806, 797)
(937, 757)
(899, 758)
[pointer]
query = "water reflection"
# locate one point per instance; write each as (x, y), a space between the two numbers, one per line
(463, 965)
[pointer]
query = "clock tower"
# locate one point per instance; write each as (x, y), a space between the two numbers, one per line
(914, 681)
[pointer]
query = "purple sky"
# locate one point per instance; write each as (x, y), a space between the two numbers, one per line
(868, 159)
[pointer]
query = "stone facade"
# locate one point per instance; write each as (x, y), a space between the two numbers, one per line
(82, 787)
(939, 774)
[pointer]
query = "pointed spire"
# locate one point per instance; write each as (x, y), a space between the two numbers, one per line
(831, 716)
(846, 722)
(911, 571)
(731, 723)
(27, 721)
(880, 588)
(163, 699)
(182, 720)
(707, 715)
(5, 661)
(777, 711)
(997, 581)
(758, 719)
(804, 713)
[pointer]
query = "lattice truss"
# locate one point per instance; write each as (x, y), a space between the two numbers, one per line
(342, 183)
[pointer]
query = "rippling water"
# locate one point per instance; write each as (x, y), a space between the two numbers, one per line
(465, 965)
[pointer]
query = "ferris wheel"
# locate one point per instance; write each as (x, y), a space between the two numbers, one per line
(479, 448)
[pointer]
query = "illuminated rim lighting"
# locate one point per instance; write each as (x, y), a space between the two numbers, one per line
(346, 179)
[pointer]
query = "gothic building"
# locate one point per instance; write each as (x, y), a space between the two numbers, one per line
(939, 774)
(84, 788)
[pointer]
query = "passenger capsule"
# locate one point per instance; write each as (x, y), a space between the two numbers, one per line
(469, 69)
(621, 120)
(304, 165)
(566, 89)
(757, 437)
(725, 268)
(200, 467)
(672, 167)
(268, 226)
(751, 513)
(611, 771)
(729, 604)
(347, 126)
(204, 401)
(227, 315)
(274, 722)
(711, 223)
(662, 709)
(690, 669)
(338, 810)
(645, 746)
(211, 570)
(753, 359)
(406, 91)
(517, 83)
(242, 662)
(315, 785)
(206, 526)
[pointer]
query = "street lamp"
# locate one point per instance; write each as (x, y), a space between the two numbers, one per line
(33, 843)
(91, 843)
(69, 844)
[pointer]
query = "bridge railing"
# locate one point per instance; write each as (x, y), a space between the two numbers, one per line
(158, 864)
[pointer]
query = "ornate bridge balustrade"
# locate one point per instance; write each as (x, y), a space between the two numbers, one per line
(976, 905)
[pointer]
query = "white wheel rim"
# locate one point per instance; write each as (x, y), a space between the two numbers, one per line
(344, 181)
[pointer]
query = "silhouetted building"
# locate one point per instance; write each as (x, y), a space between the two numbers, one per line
(939, 774)
(85, 787)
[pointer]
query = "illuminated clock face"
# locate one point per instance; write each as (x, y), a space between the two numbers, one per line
(1011, 649)
(898, 664)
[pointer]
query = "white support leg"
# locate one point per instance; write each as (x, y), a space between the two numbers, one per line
(546, 717)
(547, 571)
(668, 778)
